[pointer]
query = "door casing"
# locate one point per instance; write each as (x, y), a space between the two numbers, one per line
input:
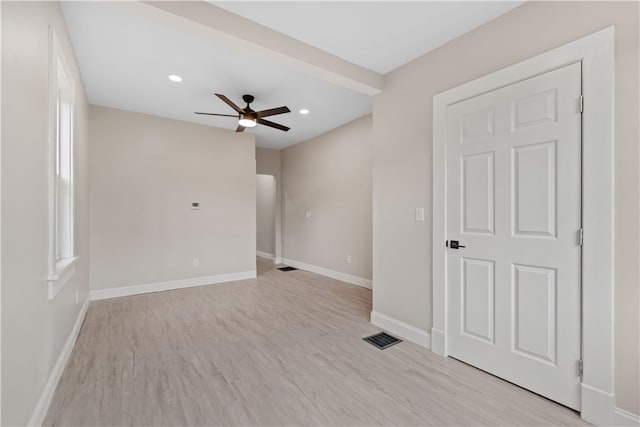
(597, 54)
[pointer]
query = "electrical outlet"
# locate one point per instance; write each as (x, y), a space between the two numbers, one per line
(196, 262)
(348, 259)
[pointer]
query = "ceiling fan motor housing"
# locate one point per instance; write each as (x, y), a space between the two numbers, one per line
(249, 118)
(248, 99)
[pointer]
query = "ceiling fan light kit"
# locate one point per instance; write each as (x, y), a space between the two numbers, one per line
(246, 121)
(247, 118)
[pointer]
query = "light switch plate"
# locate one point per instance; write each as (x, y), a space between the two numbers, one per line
(419, 214)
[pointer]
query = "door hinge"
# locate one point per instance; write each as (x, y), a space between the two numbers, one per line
(581, 103)
(581, 236)
(580, 368)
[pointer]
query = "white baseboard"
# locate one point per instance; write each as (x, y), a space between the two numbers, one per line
(624, 418)
(596, 405)
(277, 260)
(404, 330)
(439, 342)
(266, 255)
(124, 291)
(40, 411)
(348, 278)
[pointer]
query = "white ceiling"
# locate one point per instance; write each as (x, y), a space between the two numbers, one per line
(125, 59)
(378, 35)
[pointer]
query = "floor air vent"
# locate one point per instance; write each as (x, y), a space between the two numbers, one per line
(287, 268)
(382, 340)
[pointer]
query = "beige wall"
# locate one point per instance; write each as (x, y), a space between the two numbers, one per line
(331, 176)
(145, 173)
(265, 213)
(402, 158)
(268, 162)
(34, 329)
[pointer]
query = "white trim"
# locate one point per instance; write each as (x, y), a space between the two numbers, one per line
(624, 418)
(59, 271)
(344, 277)
(40, 411)
(266, 255)
(596, 405)
(597, 54)
(403, 330)
(146, 288)
(277, 260)
(438, 341)
(0, 220)
(54, 47)
(64, 271)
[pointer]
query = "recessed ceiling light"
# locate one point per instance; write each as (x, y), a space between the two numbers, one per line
(175, 78)
(304, 111)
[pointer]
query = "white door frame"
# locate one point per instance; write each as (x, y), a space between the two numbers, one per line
(597, 53)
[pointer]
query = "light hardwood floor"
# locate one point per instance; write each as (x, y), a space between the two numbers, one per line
(284, 349)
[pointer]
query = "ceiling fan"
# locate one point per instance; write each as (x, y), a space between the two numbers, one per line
(247, 118)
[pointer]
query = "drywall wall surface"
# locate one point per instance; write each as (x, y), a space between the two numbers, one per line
(146, 172)
(402, 173)
(268, 162)
(327, 200)
(265, 214)
(34, 329)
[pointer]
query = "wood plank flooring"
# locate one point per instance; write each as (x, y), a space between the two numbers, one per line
(284, 349)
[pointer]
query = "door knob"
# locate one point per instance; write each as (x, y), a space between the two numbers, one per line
(454, 244)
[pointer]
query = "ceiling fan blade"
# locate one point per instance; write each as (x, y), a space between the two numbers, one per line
(216, 114)
(272, 124)
(229, 102)
(240, 128)
(273, 111)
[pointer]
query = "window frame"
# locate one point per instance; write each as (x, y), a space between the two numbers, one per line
(61, 259)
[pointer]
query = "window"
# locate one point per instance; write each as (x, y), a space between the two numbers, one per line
(61, 187)
(64, 168)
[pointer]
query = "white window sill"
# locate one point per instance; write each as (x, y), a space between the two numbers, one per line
(64, 271)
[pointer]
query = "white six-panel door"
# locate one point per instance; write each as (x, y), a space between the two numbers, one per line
(514, 201)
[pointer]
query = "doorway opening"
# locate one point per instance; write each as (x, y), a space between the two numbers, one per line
(266, 214)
